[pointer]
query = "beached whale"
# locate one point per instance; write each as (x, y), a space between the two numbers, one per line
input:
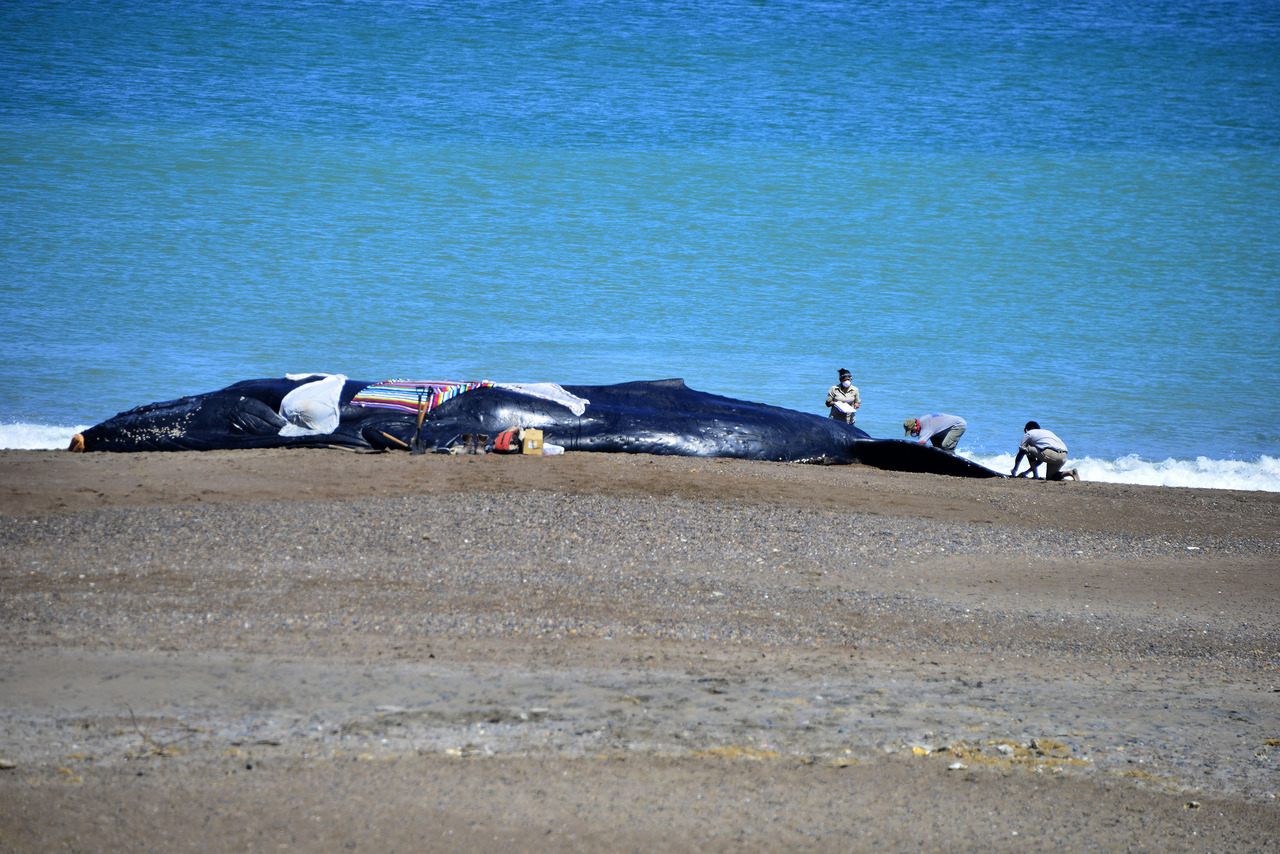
(652, 417)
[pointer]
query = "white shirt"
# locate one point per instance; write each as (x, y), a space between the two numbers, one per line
(1042, 440)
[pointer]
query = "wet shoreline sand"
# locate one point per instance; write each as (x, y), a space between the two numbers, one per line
(325, 650)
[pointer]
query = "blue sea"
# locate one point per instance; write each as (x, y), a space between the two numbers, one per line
(1061, 211)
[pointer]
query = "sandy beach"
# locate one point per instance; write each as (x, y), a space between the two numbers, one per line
(320, 650)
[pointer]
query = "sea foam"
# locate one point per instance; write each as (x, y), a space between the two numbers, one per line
(1261, 475)
(36, 437)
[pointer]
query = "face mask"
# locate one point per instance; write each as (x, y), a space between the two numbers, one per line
(845, 383)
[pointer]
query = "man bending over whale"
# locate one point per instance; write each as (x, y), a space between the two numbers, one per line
(942, 430)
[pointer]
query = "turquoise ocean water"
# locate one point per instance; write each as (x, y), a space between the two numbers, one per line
(1066, 211)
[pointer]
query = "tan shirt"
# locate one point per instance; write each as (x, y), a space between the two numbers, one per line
(848, 396)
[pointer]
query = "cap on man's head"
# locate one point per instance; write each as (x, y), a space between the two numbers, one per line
(844, 372)
(911, 424)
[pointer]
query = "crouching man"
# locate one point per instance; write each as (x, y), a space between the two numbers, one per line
(1043, 446)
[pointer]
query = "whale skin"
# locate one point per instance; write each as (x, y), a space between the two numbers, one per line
(644, 417)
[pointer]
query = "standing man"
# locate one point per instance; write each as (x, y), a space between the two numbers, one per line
(843, 398)
(1043, 446)
(943, 430)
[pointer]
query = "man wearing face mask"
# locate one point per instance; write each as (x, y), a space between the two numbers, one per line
(843, 398)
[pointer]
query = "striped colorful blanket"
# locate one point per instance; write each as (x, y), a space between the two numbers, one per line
(403, 394)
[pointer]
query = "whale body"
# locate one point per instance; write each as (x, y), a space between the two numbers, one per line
(649, 417)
